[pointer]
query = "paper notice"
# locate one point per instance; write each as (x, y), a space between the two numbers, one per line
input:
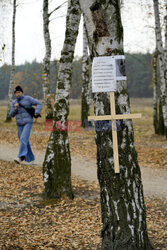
(104, 74)
(106, 70)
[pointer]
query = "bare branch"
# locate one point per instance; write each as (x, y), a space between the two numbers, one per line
(56, 9)
(57, 17)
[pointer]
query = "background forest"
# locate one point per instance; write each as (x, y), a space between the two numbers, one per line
(29, 75)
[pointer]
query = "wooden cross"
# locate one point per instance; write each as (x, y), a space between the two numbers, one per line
(114, 117)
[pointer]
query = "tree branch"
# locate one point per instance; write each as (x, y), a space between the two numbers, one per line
(56, 9)
(57, 18)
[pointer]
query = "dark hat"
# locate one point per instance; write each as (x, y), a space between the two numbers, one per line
(18, 88)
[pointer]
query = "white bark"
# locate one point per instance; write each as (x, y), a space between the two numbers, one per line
(46, 63)
(11, 83)
(122, 202)
(165, 47)
(64, 74)
(85, 110)
(57, 163)
(161, 59)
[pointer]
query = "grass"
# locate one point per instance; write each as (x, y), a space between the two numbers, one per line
(75, 109)
(151, 148)
(137, 106)
(142, 127)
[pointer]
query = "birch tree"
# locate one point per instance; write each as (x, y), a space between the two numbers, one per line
(11, 83)
(46, 63)
(155, 91)
(122, 201)
(162, 70)
(165, 47)
(57, 162)
(85, 98)
(4, 19)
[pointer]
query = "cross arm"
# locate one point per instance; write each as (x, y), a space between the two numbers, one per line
(114, 117)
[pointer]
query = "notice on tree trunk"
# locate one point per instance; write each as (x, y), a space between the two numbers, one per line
(103, 74)
(106, 70)
(120, 67)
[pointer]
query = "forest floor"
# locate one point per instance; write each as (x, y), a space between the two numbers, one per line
(27, 221)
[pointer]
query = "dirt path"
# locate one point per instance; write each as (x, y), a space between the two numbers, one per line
(154, 180)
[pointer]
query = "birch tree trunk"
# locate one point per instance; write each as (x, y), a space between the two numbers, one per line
(57, 163)
(85, 98)
(165, 48)
(11, 83)
(161, 128)
(155, 91)
(46, 64)
(122, 202)
(161, 59)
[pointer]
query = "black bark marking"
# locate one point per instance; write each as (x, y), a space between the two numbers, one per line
(99, 21)
(109, 50)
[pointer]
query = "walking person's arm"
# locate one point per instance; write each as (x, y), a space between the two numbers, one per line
(37, 103)
(13, 109)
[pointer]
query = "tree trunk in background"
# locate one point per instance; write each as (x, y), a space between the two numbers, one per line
(165, 48)
(46, 64)
(85, 98)
(161, 59)
(11, 83)
(122, 201)
(57, 163)
(155, 91)
(161, 128)
(165, 54)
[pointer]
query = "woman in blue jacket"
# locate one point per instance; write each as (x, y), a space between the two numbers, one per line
(24, 122)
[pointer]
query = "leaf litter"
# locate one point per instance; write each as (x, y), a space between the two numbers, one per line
(28, 221)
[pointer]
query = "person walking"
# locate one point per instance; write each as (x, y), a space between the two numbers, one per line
(22, 108)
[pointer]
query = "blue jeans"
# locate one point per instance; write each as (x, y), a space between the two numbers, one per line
(25, 147)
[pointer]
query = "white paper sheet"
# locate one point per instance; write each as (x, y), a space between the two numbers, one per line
(103, 74)
(106, 70)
